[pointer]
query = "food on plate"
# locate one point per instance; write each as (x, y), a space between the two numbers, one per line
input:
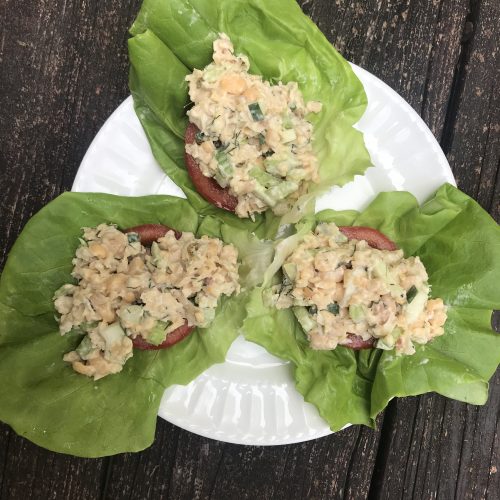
(250, 138)
(284, 59)
(459, 245)
(129, 296)
(350, 286)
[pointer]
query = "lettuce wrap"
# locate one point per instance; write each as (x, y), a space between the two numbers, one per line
(41, 397)
(171, 37)
(459, 244)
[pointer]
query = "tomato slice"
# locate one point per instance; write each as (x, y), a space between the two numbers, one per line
(206, 186)
(147, 234)
(373, 237)
(172, 338)
(151, 232)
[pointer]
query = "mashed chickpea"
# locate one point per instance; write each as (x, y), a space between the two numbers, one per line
(340, 287)
(124, 290)
(253, 137)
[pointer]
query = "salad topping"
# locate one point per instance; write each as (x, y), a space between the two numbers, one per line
(129, 295)
(253, 137)
(341, 287)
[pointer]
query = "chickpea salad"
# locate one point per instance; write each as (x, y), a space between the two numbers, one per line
(254, 138)
(340, 287)
(125, 291)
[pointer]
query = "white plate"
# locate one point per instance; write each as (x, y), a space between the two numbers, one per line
(251, 398)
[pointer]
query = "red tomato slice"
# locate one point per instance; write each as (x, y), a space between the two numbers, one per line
(206, 186)
(149, 233)
(373, 237)
(172, 338)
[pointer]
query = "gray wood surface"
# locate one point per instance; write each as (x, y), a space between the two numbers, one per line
(63, 70)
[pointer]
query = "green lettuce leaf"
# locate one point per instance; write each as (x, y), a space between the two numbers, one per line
(42, 398)
(171, 37)
(459, 245)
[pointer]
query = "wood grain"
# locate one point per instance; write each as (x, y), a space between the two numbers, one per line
(63, 69)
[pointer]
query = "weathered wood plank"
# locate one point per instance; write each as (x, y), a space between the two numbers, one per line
(473, 141)
(33, 471)
(412, 46)
(183, 465)
(453, 449)
(4, 452)
(63, 71)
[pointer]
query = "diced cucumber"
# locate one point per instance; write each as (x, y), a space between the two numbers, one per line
(208, 317)
(386, 343)
(132, 314)
(85, 348)
(287, 121)
(290, 270)
(303, 317)
(283, 189)
(263, 177)
(416, 307)
(288, 135)
(224, 164)
(133, 237)
(396, 291)
(379, 270)
(357, 313)
(256, 112)
(113, 334)
(158, 333)
(262, 193)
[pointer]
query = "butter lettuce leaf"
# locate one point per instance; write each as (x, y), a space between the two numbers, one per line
(42, 398)
(171, 37)
(459, 245)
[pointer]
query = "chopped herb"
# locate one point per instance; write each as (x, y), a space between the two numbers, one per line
(256, 112)
(312, 309)
(292, 106)
(411, 293)
(333, 308)
(200, 137)
(218, 144)
(268, 153)
(262, 139)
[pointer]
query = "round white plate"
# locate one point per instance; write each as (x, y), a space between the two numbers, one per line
(251, 398)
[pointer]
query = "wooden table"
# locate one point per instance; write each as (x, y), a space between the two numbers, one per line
(63, 70)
